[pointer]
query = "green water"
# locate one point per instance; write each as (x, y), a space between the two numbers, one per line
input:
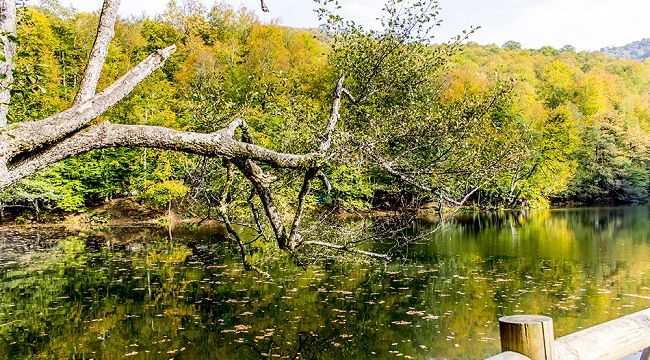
(135, 294)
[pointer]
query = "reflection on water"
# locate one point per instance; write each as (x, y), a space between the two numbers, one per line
(136, 294)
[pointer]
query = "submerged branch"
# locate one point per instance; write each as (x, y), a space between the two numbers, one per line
(222, 210)
(348, 249)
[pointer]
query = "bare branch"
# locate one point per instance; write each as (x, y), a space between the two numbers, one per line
(347, 249)
(386, 166)
(109, 135)
(334, 117)
(257, 219)
(294, 236)
(304, 191)
(233, 126)
(27, 137)
(351, 97)
(105, 33)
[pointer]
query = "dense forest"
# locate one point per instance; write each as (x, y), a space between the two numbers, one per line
(504, 126)
(637, 50)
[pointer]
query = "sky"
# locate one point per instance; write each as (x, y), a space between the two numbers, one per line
(585, 24)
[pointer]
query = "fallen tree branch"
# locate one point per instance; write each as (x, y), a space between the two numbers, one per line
(347, 249)
(29, 136)
(311, 173)
(327, 185)
(257, 219)
(27, 147)
(107, 135)
(386, 166)
(294, 236)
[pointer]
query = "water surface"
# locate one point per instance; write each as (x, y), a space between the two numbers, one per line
(134, 293)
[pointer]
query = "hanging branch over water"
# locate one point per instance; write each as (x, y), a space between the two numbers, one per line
(28, 147)
(32, 146)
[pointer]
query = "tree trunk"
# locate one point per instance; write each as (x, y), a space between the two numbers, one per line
(37, 211)
(8, 51)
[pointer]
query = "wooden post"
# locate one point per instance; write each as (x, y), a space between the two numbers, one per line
(529, 335)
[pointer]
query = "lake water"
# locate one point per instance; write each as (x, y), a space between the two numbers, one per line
(133, 293)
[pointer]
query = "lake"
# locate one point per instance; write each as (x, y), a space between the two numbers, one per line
(134, 293)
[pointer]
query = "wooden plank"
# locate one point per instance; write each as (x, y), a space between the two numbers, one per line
(509, 355)
(613, 340)
(529, 335)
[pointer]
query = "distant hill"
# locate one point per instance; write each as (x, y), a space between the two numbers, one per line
(638, 50)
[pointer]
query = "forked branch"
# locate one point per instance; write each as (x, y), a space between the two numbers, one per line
(24, 138)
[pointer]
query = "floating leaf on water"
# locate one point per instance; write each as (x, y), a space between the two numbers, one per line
(429, 317)
(415, 312)
(242, 328)
(402, 322)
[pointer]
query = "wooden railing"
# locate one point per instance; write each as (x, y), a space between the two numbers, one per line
(531, 337)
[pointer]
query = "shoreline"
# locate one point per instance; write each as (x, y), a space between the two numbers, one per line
(126, 212)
